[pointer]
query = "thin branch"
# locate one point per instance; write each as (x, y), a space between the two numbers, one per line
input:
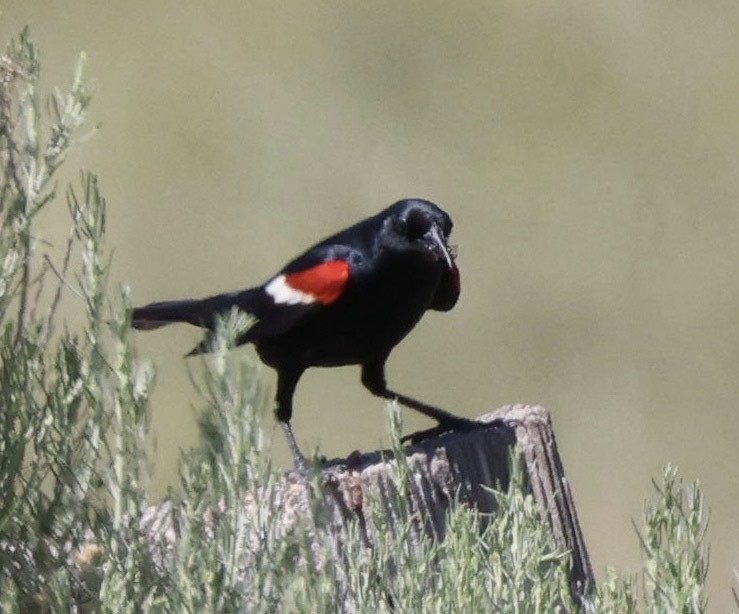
(25, 277)
(62, 282)
(62, 279)
(39, 282)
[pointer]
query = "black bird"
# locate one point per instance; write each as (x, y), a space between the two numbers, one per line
(348, 300)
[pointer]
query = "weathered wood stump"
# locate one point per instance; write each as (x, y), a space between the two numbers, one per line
(461, 464)
(469, 464)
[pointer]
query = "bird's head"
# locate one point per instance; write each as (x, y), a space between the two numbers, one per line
(420, 225)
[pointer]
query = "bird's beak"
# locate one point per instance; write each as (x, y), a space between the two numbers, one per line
(435, 239)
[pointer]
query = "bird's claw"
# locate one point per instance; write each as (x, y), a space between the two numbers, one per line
(457, 425)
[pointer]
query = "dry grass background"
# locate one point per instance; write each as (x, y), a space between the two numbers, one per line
(587, 152)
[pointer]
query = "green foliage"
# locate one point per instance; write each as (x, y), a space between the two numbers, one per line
(675, 557)
(676, 566)
(77, 532)
(74, 404)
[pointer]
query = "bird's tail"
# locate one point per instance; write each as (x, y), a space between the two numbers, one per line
(154, 315)
(198, 312)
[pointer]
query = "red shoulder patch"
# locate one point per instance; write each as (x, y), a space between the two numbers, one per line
(325, 282)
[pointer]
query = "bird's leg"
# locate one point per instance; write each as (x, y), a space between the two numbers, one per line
(286, 382)
(373, 378)
(299, 461)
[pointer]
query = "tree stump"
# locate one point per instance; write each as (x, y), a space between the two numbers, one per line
(465, 464)
(476, 461)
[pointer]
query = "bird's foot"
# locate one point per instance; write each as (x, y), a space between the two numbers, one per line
(301, 466)
(452, 425)
(307, 469)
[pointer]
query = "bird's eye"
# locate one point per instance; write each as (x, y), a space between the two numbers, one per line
(402, 226)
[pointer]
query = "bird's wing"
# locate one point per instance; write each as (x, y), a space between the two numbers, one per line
(309, 283)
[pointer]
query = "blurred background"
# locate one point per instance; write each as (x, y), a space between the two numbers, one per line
(587, 152)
